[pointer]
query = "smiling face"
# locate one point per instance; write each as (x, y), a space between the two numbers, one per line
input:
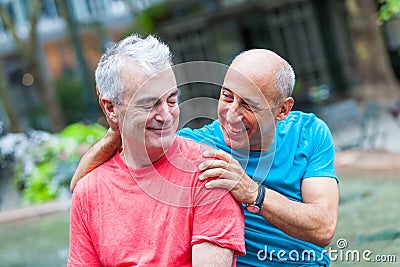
(249, 104)
(150, 113)
(243, 122)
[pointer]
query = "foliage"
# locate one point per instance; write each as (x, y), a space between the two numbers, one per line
(146, 19)
(37, 117)
(26, 47)
(70, 93)
(44, 163)
(388, 9)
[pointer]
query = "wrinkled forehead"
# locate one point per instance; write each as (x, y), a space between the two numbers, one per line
(246, 86)
(156, 86)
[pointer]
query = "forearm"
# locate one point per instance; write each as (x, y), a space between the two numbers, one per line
(81, 249)
(207, 254)
(312, 222)
(100, 152)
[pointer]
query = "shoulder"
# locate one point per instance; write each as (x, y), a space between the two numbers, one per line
(302, 122)
(86, 184)
(305, 131)
(300, 117)
(210, 134)
(205, 131)
(105, 171)
(190, 149)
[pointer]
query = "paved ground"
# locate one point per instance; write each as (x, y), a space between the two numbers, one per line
(34, 211)
(383, 157)
(368, 161)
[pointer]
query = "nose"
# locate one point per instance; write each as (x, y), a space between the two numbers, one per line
(163, 112)
(234, 112)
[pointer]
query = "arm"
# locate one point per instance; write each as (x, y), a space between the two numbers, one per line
(81, 248)
(99, 153)
(207, 254)
(313, 220)
(217, 227)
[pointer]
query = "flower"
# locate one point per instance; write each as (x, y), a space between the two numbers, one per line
(44, 163)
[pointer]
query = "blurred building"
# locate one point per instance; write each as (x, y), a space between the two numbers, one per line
(312, 35)
(98, 23)
(111, 14)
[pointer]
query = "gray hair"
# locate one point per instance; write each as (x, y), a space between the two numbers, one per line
(285, 79)
(150, 54)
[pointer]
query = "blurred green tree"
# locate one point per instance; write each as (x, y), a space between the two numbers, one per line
(28, 49)
(15, 125)
(146, 13)
(376, 79)
(388, 9)
(87, 78)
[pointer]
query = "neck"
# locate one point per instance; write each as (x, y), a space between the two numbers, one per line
(264, 142)
(140, 158)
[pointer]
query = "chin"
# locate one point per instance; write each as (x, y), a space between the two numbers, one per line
(236, 144)
(165, 143)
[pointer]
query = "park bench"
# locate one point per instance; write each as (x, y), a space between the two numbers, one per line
(352, 127)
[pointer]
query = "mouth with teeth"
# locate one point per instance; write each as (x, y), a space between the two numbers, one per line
(236, 131)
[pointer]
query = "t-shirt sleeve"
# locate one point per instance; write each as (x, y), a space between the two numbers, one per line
(322, 152)
(82, 251)
(218, 218)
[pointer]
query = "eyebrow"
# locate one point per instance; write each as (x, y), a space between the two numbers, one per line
(247, 100)
(153, 99)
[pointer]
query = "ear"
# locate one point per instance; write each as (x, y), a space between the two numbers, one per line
(284, 108)
(109, 109)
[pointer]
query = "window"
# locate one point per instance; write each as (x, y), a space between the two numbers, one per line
(95, 8)
(49, 9)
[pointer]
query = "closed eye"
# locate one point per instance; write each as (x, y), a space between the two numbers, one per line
(226, 95)
(173, 98)
(173, 101)
(148, 107)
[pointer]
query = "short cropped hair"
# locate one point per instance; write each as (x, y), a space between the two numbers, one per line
(285, 79)
(150, 54)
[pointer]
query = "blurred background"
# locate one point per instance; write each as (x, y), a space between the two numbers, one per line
(345, 54)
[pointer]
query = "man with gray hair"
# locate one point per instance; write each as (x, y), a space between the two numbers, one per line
(277, 162)
(146, 205)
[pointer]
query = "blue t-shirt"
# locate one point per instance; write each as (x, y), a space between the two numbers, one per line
(302, 148)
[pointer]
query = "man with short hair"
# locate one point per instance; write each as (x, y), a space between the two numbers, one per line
(284, 175)
(279, 163)
(146, 206)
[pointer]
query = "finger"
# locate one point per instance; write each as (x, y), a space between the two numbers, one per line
(209, 153)
(217, 154)
(208, 164)
(220, 183)
(212, 173)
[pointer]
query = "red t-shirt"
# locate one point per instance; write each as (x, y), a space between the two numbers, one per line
(151, 216)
